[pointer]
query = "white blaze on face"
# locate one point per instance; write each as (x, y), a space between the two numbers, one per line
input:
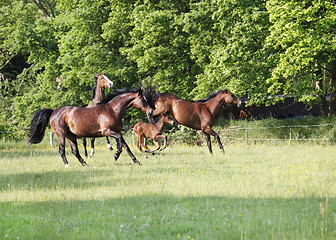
(109, 81)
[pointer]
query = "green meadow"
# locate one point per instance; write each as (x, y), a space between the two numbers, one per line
(253, 191)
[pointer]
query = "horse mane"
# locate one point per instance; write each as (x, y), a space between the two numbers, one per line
(212, 95)
(119, 92)
(150, 91)
(95, 86)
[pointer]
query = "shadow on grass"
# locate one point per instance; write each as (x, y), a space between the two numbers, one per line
(170, 217)
(85, 178)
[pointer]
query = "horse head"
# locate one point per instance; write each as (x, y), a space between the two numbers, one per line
(103, 81)
(140, 102)
(168, 119)
(230, 98)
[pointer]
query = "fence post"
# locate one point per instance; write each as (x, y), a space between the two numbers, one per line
(290, 135)
(52, 139)
(246, 135)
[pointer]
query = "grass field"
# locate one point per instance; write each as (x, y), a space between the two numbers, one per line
(254, 191)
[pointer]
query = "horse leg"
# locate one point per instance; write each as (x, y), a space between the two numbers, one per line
(92, 146)
(213, 133)
(119, 150)
(207, 137)
(139, 146)
(157, 144)
(74, 149)
(109, 144)
(146, 147)
(124, 144)
(144, 144)
(164, 142)
(121, 143)
(61, 150)
(84, 145)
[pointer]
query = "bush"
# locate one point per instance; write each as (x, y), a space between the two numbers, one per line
(8, 132)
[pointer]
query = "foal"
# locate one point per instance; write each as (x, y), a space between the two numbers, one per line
(152, 131)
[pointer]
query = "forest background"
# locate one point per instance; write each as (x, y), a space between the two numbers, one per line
(51, 49)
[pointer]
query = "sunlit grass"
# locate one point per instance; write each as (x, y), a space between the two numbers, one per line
(253, 191)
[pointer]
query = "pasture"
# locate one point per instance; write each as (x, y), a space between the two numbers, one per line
(253, 191)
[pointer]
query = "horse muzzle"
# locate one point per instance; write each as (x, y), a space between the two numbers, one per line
(239, 103)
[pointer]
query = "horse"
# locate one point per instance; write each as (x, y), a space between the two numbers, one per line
(198, 115)
(98, 94)
(152, 131)
(105, 119)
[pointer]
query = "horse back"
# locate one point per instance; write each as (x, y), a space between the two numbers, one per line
(88, 122)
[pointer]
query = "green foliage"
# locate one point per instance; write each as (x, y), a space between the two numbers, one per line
(236, 57)
(50, 52)
(302, 36)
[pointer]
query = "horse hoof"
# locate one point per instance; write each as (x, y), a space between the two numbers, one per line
(116, 156)
(136, 162)
(67, 165)
(110, 148)
(85, 164)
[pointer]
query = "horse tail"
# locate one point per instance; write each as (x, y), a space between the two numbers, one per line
(38, 125)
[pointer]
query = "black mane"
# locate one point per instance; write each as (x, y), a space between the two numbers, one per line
(95, 87)
(212, 95)
(118, 92)
(151, 94)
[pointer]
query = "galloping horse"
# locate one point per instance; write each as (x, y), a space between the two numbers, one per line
(152, 131)
(105, 119)
(98, 94)
(198, 115)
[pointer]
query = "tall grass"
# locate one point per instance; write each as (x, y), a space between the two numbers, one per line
(253, 191)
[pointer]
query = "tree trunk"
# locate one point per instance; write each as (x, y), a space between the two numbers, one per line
(320, 86)
(323, 104)
(333, 88)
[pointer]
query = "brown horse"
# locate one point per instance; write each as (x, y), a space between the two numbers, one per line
(98, 94)
(105, 119)
(198, 115)
(152, 131)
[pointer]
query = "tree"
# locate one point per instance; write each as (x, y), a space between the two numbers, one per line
(302, 38)
(156, 45)
(231, 46)
(17, 24)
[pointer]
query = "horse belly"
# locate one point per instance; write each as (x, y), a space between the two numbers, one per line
(83, 124)
(150, 130)
(191, 122)
(187, 115)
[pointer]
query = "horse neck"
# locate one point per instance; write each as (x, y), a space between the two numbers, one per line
(120, 103)
(99, 95)
(214, 104)
(160, 123)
